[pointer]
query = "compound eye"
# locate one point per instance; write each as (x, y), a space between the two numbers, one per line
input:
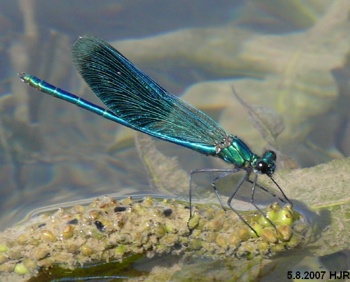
(262, 167)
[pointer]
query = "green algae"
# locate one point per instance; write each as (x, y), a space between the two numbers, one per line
(111, 270)
(102, 231)
(324, 188)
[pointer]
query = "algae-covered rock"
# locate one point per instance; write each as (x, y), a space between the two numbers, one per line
(123, 230)
(113, 230)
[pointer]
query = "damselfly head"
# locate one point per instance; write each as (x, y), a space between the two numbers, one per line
(266, 165)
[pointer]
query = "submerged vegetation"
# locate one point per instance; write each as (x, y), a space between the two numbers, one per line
(115, 230)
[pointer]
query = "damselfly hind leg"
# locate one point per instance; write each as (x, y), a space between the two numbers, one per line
(224, 172)
(252, 200)
(245, 178)
(229, 202)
